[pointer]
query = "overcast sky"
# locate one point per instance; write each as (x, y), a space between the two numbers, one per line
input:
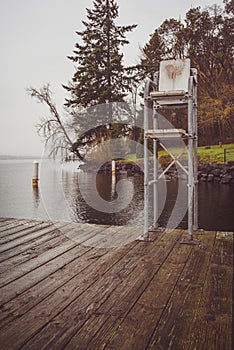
(35, 38)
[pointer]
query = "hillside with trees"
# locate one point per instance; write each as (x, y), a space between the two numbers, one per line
(206, 36)
(101, 79)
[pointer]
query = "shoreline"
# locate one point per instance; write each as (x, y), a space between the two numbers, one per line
(207, 172)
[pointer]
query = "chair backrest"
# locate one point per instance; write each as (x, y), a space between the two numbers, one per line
(174, 75)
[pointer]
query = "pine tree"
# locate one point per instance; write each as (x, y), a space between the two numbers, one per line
(100, 75)
(151, 55)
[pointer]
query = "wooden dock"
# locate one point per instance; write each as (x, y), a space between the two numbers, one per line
(81, 286)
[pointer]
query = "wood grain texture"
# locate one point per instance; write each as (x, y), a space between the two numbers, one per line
(82, 286)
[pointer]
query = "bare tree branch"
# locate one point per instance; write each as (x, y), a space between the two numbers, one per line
(52, 129)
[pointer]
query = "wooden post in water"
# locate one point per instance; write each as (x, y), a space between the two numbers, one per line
(35, 176)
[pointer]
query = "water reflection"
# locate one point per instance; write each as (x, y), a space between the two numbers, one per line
(113, 187)
(216, 206)
(58, 198)
(106, 188)
(216, 210)
(36, 196)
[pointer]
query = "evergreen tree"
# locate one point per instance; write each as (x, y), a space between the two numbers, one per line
(152, 55)
(170, 35)
(164, 43)
(100, 75)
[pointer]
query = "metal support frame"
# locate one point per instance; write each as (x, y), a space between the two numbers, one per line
(154, 100)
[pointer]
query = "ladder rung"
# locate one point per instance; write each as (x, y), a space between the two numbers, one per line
(165, 133)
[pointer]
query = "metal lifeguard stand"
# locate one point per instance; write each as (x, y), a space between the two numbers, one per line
(175, 85)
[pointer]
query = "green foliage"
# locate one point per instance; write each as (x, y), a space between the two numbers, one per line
(216, 122)
(207, 38)
(152, 53)
(100, 75)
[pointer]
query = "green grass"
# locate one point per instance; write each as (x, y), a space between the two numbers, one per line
(206, 154)
(215, 154)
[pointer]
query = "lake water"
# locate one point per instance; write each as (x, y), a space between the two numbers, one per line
(63, 194)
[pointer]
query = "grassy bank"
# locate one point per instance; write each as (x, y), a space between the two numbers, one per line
(206, 154)
(216, 154)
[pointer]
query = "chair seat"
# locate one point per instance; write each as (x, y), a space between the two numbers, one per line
(171, 97)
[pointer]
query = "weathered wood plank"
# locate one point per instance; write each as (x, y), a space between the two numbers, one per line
(32, 264)
(92, 290)
(66, 229)
(134, 332)
(19, 230)
(59, 246)
(218, 290)
(216, 306)
(122, 237)
(25, 252)
(6, 224)
(149, 306)
(22, 284)
(90, 337)
(213, 332)
(68, 266)
(213, 320)
(149, 259)
(4, 219)
(54, 241)
(28, 247)
(174, 326)
(92, 233)
(99, 292)
(70, 300)
(34, 233)
(223, 250)
(7, 221)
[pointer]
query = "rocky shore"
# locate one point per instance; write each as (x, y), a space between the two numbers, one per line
(219, 173)
(212, 173)
(121, 168)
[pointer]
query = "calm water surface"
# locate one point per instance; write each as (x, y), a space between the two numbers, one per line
(61, 192)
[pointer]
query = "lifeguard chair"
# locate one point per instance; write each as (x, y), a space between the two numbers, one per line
(174, 86)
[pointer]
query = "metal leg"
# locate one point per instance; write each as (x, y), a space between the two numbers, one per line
(190, 189)
(146, 172)
(190, 160)
(195, 144)
(195, 224)
(155, 144)
(192, 165)
(146, 191)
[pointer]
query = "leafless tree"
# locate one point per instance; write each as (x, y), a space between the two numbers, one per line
(52, 129)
